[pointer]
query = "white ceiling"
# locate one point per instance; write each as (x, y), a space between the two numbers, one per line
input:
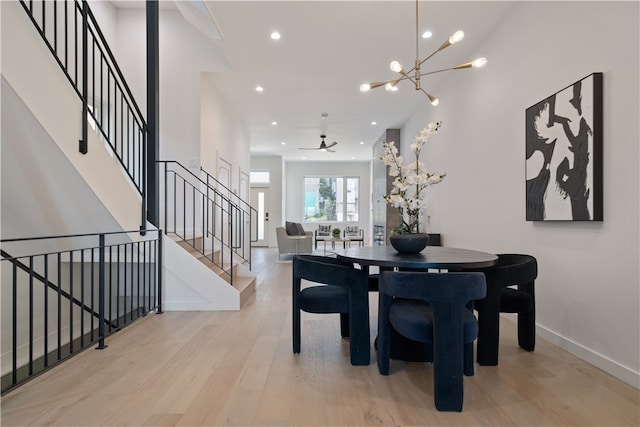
(327, 49)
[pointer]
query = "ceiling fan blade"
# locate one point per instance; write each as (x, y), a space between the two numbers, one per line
(306, 148)
(331, 151)
(333, 144)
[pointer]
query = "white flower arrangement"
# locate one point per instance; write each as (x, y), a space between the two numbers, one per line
(410, 181)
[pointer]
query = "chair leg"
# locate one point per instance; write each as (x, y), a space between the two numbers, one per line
(488, 329)
(448, 365)
(344, 325)
(384, 334)
(296, 331)
(468, 359)
(527, 321)
(359, 342)
(527, 330)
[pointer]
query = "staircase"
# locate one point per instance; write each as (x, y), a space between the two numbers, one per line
(202, 218)
(101, 98)
(244, 283)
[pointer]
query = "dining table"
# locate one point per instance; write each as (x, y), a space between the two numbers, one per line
(432, 257)
(441, 258)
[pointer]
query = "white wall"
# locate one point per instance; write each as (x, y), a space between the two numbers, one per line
(294, 189)
(275, 166)
(59, 115)
(222, 135)
(587, 292)
(184, 54)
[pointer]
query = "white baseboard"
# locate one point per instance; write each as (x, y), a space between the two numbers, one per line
(611, 367)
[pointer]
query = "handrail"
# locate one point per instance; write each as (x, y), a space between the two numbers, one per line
(64, 236)
(196, 177)
(198, 209)
(115, 63)
(42, 279)
(93, 72)
(242, 201)
(63, 287)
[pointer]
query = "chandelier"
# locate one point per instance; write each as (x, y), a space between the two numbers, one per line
(395, 66)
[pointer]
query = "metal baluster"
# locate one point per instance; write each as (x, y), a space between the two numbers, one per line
(101, 261)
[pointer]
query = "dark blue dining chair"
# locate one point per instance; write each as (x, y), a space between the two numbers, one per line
(433, 308)
(337, 287)
(511, 270)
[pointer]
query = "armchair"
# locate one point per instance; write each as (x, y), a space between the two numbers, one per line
(293, 244)
(338, 288)
(354, 233)
(521, 271)
(433, 308)
(321, 233)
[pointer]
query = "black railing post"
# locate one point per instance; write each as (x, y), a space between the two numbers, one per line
(101, 288)
(206, 211)
(159, 267)
(152, 189)
(85, 78)
(231, 239)
(166, 202)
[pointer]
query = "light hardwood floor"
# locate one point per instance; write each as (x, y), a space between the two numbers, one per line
(237, 368)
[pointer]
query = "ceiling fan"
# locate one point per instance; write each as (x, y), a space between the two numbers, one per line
(323, 145)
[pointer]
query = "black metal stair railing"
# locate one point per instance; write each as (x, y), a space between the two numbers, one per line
(57, 303)
(204, 218)
(247, 216)
(70, 31)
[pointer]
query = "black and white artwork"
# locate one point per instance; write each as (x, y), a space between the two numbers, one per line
(564, 154)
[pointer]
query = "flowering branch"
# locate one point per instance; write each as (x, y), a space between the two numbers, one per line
(410, 181)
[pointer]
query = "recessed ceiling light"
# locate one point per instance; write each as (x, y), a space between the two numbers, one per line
(283, 143)
(259, 89)
(304, 158)
(274, 123)
(353, 158)
(427, 35)
(275, 35)
(374, 123)
(361, 142)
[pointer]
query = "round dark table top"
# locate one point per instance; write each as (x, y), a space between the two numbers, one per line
(439, 257)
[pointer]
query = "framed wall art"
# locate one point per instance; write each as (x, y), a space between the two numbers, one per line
(564, 154)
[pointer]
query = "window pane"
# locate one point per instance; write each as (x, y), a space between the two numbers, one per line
(320, 199)
(340, 200)
(353, 188)
(259, 177)
(331, 199)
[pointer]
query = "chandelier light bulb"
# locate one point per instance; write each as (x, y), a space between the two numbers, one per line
(434, 101)
(456, 37)
(478, 63)
(391, 87)
(365, 87)
(395, 66)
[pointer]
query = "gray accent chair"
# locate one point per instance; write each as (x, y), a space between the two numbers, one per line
(292, 245)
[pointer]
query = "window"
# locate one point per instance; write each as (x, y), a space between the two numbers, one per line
(331, 199)
(259, 177)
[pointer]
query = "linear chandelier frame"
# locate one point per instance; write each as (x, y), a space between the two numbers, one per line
(392, 85)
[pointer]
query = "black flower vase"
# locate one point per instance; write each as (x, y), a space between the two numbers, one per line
(410, 243)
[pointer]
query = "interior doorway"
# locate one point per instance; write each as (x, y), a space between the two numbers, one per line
(260, 202)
